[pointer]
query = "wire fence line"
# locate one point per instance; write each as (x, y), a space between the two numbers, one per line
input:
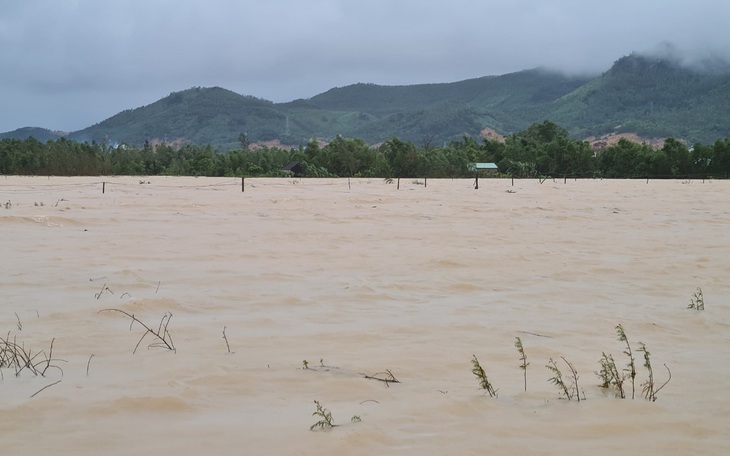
(254, 182)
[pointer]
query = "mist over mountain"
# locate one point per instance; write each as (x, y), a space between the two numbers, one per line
(708, 62)
(657, 94)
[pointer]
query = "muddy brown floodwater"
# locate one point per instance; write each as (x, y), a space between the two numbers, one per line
(358, 279)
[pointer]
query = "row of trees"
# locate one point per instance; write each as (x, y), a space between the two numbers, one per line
(543, 149)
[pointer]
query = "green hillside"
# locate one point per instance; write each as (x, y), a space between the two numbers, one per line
(41, 134)
(199, 115)
(444, 112)
(651, 97)
(426, 112)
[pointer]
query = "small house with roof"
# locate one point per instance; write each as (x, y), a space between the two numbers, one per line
(295, 168)
(489, 169)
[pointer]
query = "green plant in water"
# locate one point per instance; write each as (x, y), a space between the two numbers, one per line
(482, 377)
(648, 388)
(571, 391)
(631, 366)
(606, 373)
(523, 359)
(573, 379)
(698, 300)
(325, 415)
(557, 378)
(610, 375)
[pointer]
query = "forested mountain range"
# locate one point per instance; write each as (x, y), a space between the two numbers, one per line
(649, 96)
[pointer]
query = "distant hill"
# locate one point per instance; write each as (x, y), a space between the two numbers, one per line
(447, 111)
(650, 97)
(433, 112)
(41, 134)
(199, 115)
(647, 96)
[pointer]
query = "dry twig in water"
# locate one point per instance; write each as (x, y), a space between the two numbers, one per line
(226, 339)
(47, 386)
(386, 377)
(101, 292)
(15, 356)
(164, 339)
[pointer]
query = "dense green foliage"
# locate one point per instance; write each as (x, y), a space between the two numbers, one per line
(543, 149)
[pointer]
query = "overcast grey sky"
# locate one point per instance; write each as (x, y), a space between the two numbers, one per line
(67, 64)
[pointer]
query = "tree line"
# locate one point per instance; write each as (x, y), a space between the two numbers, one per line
(543, 149)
